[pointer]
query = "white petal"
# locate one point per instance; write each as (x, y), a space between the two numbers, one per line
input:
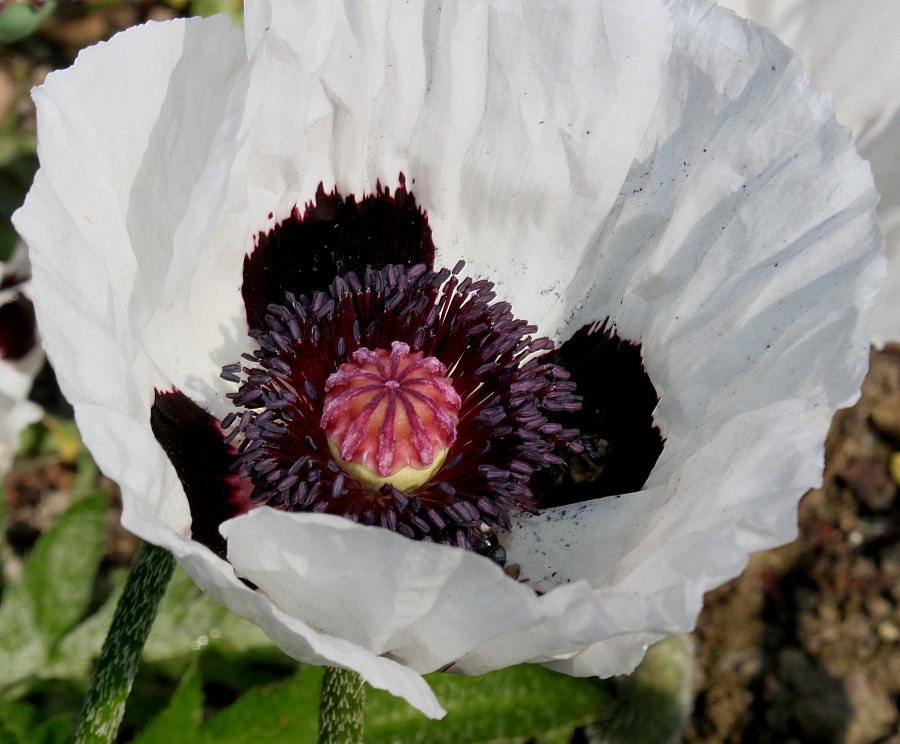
(363, 96)
(751, 354)
(131, 205)
(123, 142)
(851, 51)
(703, 169)
(126, 449)
(430, 606)
(16, 411)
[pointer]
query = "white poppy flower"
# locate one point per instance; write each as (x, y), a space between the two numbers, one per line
(657, 166)
(851, 51)
(21, 356)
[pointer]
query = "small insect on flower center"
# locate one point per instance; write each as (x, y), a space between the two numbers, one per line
(390, 416)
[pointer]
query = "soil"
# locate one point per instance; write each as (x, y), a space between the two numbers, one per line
(804, 646)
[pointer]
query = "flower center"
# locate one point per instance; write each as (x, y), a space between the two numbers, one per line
(347, 407)
(390, 416)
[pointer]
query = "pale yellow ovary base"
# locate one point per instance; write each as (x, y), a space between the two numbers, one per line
(405, 479)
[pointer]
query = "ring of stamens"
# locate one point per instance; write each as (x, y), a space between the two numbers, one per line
(507, 397)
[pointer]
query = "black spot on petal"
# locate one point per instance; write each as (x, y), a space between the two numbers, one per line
(334, 235)
(18, 329)
(195, 445)
(619, 440)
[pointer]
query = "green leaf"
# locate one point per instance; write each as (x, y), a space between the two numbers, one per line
(59, 572)
(22, 723)
(53, 594)
(74, 656)
(180, 721)
(234, 8)
(188, 622)
(526, 703)
(283, 712)
(56, 730)
(22, 650)
(510, 705)
(16, 720)
(272, 714)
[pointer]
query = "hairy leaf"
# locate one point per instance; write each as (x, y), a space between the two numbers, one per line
(181, 719)
(59, 572)
(509, 705)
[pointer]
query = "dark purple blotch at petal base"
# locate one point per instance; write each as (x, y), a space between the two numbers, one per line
(331, 237)
(18, 329)
(195, 444)
(615, 421)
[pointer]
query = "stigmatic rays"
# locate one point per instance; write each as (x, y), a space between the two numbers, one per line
(390, 416)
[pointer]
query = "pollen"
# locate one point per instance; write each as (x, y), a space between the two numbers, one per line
(390, 416)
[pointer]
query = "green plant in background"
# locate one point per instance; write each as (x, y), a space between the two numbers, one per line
(512, 705)
(57, 603)
(21, 18)
(233, 8)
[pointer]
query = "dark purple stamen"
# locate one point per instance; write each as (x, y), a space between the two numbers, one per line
(342, 274)
(506, 398)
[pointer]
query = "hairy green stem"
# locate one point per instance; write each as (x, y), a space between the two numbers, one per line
(341, 707)
(124, 645)
(653, 702)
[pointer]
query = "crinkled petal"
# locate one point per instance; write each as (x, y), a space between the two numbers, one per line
(374, 90)
(130, 140)
(127, 450)
(704, 201)
(446, 608)
(122, 142)
(851, 51)
(753, 353)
